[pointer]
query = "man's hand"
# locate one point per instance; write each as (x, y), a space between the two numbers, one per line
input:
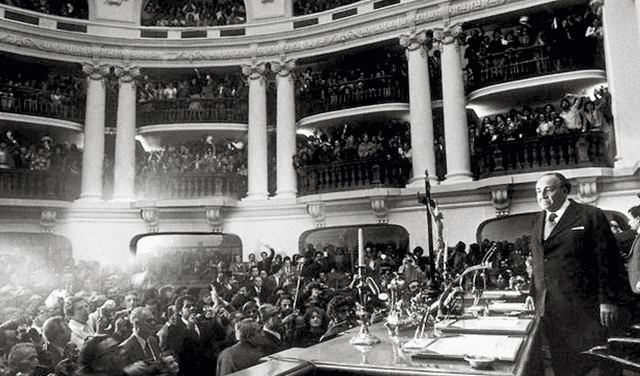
(608, 314)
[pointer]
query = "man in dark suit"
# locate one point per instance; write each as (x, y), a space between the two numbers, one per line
(633, 264)
(271, 326)
(141, 349)
(574, 274)
(190, 338)
(244, 354)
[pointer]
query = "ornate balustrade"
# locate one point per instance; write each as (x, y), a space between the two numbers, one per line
(39, 185)
(342, 176)
(38, 103)
(169, 111)
(317, 100)
(520, 63)
(186, 185)
(532, 154)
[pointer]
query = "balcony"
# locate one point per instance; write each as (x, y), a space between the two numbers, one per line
(351, 94)
(190, 185)
(526, 62)
(172, 111)
(343, 176)
(27, 101)
(39, 185)
(534, 154)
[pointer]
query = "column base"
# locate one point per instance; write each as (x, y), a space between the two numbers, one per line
(285, 195)
(89, 198)
(418, 181)
(256, 196)
(123, 198)
(458, 177)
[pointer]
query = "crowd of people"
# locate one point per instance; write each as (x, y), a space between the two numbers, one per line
(192, 13)
(238, 311)
(200, 85)
(24, 91)
(357, 142)
(304, 7)
(44, 155)
(207, 155)
(576, 113)
(65, 8)
(567, 39)
(349, 78)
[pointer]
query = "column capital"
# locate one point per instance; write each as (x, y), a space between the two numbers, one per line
(416, 39)
(126, 72)
(95, 70)
(449, 34)
(284, 67)
(255, 70)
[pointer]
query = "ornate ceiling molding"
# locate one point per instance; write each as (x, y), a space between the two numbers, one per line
(370, 27)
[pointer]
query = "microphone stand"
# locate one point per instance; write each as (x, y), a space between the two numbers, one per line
(429, 203)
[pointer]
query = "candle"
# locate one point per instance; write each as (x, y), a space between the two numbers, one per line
(360, 248)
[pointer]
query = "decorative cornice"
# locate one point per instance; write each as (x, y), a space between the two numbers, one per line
(415, 40)
(449, 34)
(214, 217)
(255, 70)
(301, 42)
(126, 72)
(95, 70)
(587, 190)
(317, 211)
(151, 218)
(283, 68)
(501, 199)
(48, 219)
(379, 208)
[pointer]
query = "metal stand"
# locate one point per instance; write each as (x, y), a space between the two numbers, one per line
(364, 337)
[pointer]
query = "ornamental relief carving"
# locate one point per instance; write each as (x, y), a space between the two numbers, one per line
(269, 49)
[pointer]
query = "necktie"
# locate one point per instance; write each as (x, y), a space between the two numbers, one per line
(148, 352)
(551, 222)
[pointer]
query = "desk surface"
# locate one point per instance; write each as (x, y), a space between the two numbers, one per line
(388, 357)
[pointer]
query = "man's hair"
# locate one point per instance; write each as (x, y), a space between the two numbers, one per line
(18, 354)
(564, 182)
(635, 211)
(53, 328)
(70, 305)
(137, 313)
(246, 329)
(181, 299)
(267, 311)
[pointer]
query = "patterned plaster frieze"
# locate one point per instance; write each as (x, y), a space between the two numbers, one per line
(384, 24)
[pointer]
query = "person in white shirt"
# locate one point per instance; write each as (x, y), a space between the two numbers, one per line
(76, 310)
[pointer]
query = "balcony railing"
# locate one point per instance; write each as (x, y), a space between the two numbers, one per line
(188, 185)
(342, 176)
(364, 92)
(39, 185)
(169, 111)
(521, 63)
(37, 103)
(532, 154)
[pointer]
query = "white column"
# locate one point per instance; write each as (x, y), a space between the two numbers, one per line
(620, 27)
(257, 164)
(125, 158)
(286, 129)
(454, 103)
(93, 150)
(422, 140)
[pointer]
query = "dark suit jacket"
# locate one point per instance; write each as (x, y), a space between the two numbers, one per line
(633, 266)
(193, 353)
(574, 271)
(134, 352)
(238, 357)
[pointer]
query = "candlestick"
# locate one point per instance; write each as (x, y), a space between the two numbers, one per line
(360, 248)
